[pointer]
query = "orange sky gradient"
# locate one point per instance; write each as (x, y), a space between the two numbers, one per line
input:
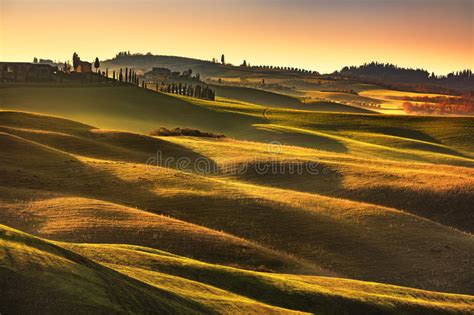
(319, 35)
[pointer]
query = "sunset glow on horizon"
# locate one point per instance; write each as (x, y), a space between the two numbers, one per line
(319, 35)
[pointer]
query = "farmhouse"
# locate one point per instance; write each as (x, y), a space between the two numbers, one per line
(26, 72)
(164, 72)
(83, 67)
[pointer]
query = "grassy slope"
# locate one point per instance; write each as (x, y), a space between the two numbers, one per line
(426, 139)
(339, 236)
(275, 100)
(62, 277)
(392, 100)
(51, 279)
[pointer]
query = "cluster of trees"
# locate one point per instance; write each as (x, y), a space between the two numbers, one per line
(128, 54)
(284, 69)
(420, 80)
(127, 75)
(122, 54)
(164, 132)
(440, 105)
(387, 71)
(214, 60)
(464, 74)
(274, 68)
(197, 91)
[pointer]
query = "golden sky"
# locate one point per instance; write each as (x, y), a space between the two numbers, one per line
(321, 35)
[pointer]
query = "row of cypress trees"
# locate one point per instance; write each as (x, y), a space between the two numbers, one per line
(124, 75)
(197, 91)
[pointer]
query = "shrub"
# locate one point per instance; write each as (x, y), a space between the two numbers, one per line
(165, 132)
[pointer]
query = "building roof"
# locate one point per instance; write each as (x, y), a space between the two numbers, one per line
(25, 64)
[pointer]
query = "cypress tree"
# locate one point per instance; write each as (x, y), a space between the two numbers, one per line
(96, 64)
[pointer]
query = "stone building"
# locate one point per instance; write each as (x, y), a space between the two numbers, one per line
(26, 72)
(83, 67)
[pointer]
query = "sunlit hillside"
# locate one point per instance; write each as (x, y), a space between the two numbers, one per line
(291, 201)
(58, 277)
(236, 157)
(344, 215)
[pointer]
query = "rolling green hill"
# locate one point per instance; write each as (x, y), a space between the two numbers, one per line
(346, 221)
(274, 218)
(275, 100)
(64, 277)
(443, 140)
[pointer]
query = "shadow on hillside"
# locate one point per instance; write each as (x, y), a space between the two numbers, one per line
(36, 290)
(334, 107)
(275, 137)
(411, 134)
(299, 175)
(123, 147)
(158, 152)
(257, 96)
(126, 108)
(450, 208)
(39, 122)
(226, 208)
(296, 228)
(405, 133)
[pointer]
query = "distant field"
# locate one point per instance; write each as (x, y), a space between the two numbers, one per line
(391, 100)
(347, 98)
(276, 100)
(428, 139)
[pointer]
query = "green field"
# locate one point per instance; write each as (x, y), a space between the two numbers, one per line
(381, 223)
(427, 139)
(275, 100)
(123, 278)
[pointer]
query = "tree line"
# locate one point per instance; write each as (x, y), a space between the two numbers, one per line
(391, 72)
(197, 91)
(440, 105)
(128, 75)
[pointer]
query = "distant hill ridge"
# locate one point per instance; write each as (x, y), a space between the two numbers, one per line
(386, 73)
(204, 67)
